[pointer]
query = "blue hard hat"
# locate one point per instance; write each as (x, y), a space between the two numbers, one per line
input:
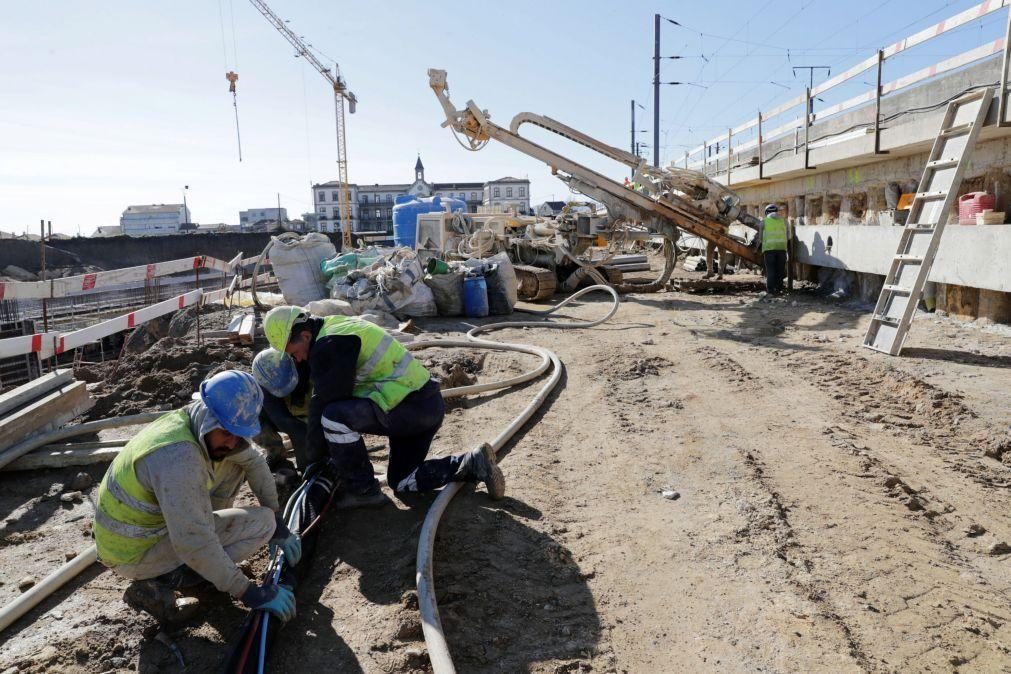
(771, 208)
(275, 372)
(235, 399)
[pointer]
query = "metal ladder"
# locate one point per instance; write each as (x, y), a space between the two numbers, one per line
(924, 227)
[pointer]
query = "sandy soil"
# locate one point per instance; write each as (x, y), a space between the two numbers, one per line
(837, 510)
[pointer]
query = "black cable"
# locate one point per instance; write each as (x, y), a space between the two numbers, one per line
(889, 118)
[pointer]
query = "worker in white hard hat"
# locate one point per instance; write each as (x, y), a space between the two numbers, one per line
(365, 381)
(773, 242)
(164, 513)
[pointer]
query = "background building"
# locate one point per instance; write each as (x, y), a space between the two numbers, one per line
(262, 217)
(372, 205)
(507, 193)
(153, 220)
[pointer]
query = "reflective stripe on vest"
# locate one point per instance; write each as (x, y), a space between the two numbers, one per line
(128, 520)
(773, 234)
(385, 372)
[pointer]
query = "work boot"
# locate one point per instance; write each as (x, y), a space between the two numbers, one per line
(158, 599)
(370, 498)
(480, 465)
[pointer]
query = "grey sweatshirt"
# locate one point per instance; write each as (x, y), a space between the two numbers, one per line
(177, 474)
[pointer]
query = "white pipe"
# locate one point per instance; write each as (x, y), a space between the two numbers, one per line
(431, 624)
(86, 557)
(49, 584)
(28, 445)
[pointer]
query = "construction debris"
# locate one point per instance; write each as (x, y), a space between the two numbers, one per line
(39, 406)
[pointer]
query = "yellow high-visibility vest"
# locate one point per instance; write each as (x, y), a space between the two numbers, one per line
(385, 372)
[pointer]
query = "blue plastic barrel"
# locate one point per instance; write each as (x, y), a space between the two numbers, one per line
(475, 296)
(407, 210)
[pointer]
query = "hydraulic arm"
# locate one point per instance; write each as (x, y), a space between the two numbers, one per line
(669, 198)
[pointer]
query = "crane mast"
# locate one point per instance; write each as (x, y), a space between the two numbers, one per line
(341, 94)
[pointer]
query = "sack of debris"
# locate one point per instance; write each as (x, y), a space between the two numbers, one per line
(296, 263)
(447, 290)
(337, 268)
(390, 284)
(330, 307)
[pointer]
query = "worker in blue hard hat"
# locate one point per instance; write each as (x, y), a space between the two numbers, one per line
(164, 515)
(286, 392)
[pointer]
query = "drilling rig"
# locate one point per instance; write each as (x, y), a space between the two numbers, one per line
(662, 203)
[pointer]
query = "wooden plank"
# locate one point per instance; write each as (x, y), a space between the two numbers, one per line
(34, 389)
(247, 329)
(61, 458)
(51, 411)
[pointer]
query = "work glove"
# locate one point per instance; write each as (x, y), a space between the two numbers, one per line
(277, 599)
(289, 543)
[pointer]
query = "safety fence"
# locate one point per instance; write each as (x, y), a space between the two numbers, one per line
(103, 280)
(703, 158)
(51, 343)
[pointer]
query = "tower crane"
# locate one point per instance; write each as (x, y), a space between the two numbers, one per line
(341, 94)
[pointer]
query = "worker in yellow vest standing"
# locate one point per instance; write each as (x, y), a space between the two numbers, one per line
(365, 381)
(164, 515)
(773, 240)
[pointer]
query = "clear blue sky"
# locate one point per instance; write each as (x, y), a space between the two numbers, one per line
(124, 102)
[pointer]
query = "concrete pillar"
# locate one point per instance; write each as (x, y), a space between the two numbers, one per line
(830, 209)
(994, 306)
(962, 302)
(799, 210)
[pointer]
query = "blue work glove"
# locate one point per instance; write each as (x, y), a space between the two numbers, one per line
(277, 599)
(289, 543)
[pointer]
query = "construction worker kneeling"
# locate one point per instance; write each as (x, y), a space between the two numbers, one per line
(164, 515)
(365, 381)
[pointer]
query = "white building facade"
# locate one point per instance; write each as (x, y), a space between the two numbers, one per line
(153, 219)
(372, 205)
(507, 194)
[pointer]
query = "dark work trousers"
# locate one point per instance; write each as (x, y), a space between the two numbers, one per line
(775, 270)
(410, 426)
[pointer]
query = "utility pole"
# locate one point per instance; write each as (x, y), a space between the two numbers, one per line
(632, 146)
(656, 90)
(810, 70)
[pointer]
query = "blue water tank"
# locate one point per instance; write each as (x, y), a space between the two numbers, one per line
(409, 207)
(475, 296)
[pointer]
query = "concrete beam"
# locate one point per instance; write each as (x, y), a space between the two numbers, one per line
(969, 255)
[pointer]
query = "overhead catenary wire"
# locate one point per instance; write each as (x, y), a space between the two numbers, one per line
(834, 63)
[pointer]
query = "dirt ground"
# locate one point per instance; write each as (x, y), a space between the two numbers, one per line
(721, 482)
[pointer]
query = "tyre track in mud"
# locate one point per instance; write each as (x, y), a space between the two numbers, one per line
(888, 559)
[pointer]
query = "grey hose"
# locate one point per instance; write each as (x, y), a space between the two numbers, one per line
(431, 624)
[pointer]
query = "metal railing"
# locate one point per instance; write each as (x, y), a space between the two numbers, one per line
(701, 157)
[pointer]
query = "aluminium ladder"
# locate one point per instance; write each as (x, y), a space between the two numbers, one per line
(921, 236)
